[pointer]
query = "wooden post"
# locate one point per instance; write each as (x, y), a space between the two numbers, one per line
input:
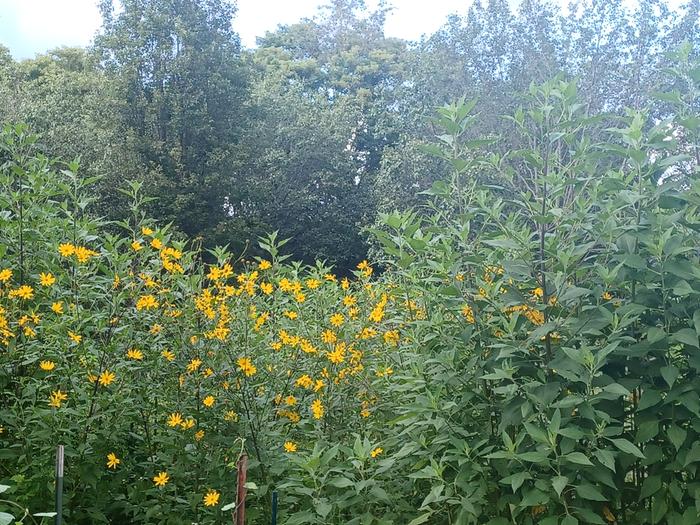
(241, 490)
(274, 507)
(59, 485)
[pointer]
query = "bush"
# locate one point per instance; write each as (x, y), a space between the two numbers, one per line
(529, 354)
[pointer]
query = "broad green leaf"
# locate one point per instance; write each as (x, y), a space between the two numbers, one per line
(687, 336)
(577, 457)
(651, 486)
(606, 458)
(628, 447)
(670, 374)
(423, 518)
(559, 484)
(587, 491)
(676, 435)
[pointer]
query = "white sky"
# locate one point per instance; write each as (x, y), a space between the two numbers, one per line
(28, 27)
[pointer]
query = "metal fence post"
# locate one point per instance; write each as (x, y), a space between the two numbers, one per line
(59, 485)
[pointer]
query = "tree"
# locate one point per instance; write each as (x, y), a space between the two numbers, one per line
(177, 66)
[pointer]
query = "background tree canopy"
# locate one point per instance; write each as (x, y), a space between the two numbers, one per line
(319, 128)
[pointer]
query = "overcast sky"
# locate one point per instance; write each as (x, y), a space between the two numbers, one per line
(28, 27)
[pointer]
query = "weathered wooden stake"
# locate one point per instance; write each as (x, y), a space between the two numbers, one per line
(274, 507)
(59, 485)
(241, 490)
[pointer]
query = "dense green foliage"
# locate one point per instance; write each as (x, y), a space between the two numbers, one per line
(530, 355)
(316, 130)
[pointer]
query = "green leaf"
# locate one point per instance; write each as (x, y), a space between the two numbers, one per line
(670, 374)
(587, 491)
(228, 506)
(6, 519)
(536, 433)
(677, 436)
(341, 482)
(516, 480)
(650, 398)
(693, 454)
(577, 457)
(647, 431)
(687, 336)
(628, 447)
(323, 508)
(559, 483)
(421, 519)
(44, 514)
(433, 495)
(569, 520)
(3, 488)
(658, 510)
(606, 458)
(650, 487)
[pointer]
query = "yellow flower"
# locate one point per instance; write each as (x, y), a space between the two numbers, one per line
(66, 249)
(337, 356)
(209, 401)
(157, 244)
(75, 337)
(23, 292)
(113, 460)
(5, 275)
(317, 409)
(392, 337)
(57, 307)
(337, 320)
(290, 446)
(349, 300)
(161, 479)
(56, 398)
(231, 415)
(291, 314)
(146, 230)
(376, 452)
(246, 366)
(299, 297)
(290, 401)
(194, 365)
(607, 296)
(328, 337)
(468, 313)
(83, 254)
(312, 284)
(174, 419)
(365, 268)
(304, 381)
(146, 302)
(136, 246)
(199, 435)
(187, 423)
(264, 265)
(47, 366)
(266, 288)
(211, 498)
(134, 353)
(107, 377)
(168, 355)
(46, 279)
(155, 329)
